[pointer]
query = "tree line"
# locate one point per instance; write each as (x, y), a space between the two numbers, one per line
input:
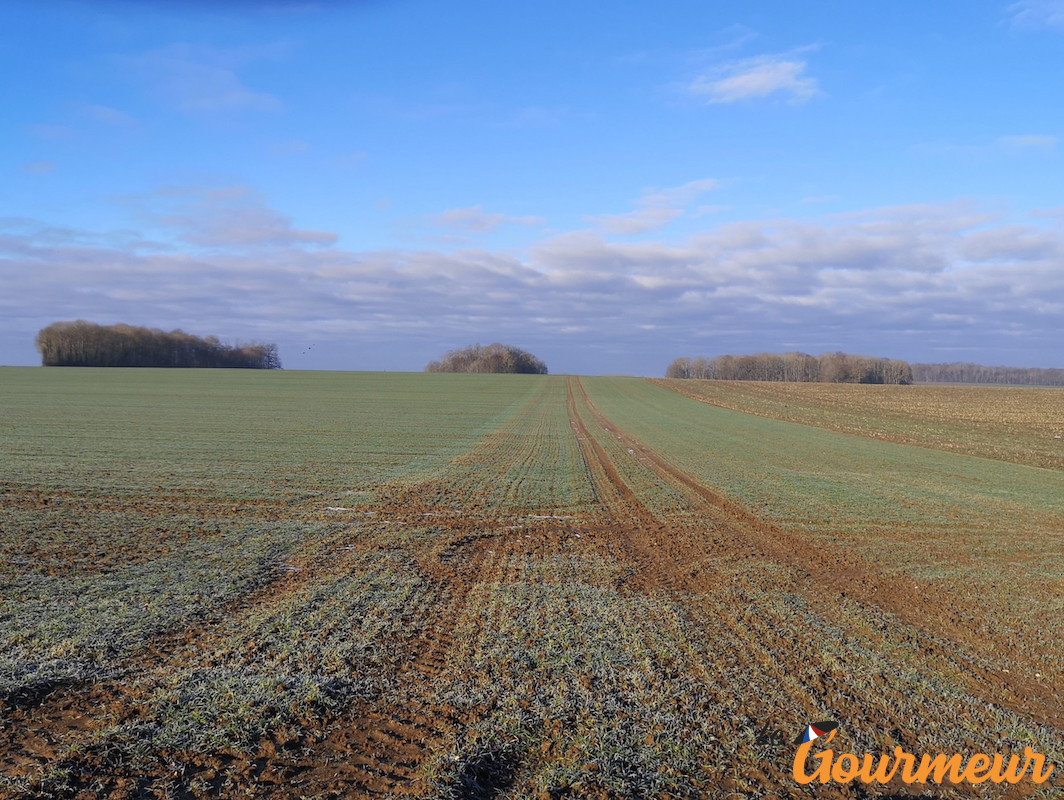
(85, 344)
(493, 358)
(796, 367)
(960, 372)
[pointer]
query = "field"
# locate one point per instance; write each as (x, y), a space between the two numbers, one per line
(284, 584)
(1020, 424)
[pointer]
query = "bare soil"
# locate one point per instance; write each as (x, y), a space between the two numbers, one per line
(386, 746)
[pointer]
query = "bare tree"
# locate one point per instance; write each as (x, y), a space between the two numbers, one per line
(495, 357)
(958, 372)
(680, 368)
(85, 344)
(834, 367)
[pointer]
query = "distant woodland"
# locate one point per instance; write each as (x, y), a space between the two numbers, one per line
(493, 358)
(796, 367)
(958, 372)
(85, 344)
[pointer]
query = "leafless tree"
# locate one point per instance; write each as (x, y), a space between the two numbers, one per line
(85, 344)
(958, 372)
(834, 367)
(493, 358)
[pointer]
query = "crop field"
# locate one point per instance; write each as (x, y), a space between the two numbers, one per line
(368, 585)
(1020, 424)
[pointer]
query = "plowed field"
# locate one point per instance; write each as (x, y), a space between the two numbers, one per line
(354, 585)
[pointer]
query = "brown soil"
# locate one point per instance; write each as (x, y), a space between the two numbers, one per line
(381, 747)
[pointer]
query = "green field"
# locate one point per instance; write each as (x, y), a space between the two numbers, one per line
(297, 584)
(1024, 425)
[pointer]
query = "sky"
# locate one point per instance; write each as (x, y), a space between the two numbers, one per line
(608, 185)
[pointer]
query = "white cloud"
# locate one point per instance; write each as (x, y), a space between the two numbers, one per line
(900, 280)
(1029, 141)
(471, 220)
(705, 211)
(1010, 243)
(757, 77)
(1038, 13)
(225, 217)
(1012, 145)
(656, 208)
(677, 196)
(641, 220)
(475, 220)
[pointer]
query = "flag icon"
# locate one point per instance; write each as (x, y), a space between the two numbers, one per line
(815, 730)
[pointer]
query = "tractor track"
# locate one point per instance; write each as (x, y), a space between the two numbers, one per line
(827, 572)
(383, 746)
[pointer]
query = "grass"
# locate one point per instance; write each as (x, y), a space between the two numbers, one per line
(237, 434)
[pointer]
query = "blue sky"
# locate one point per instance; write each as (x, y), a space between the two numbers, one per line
(608, 185)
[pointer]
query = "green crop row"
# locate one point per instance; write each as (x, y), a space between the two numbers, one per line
(239, 434)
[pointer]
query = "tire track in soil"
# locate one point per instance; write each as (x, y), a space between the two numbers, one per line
(378, 748)
(664, 554)
(372, 749)
(389, 745)
(382, 750)
(648, 544)
(38, 724)
(828, 575)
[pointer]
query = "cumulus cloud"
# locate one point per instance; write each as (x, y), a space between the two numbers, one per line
(911, 281)
(1010, 243)
(757, 77)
